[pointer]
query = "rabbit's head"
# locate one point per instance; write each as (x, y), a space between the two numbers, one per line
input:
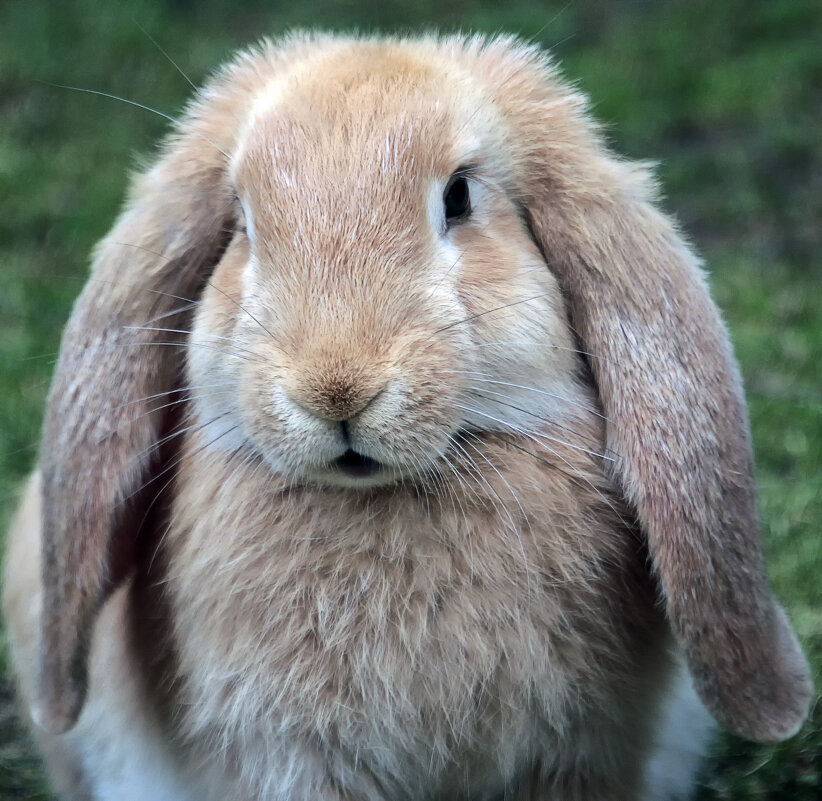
(382, 291)
(380, 238)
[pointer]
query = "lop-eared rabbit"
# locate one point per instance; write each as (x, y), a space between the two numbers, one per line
(395, 452)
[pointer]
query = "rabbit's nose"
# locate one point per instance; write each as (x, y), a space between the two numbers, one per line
(336, 398)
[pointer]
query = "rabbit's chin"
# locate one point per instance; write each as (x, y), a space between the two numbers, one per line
(355, 470)
(355, 465)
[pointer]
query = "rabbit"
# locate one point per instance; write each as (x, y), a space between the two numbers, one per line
(395, 450)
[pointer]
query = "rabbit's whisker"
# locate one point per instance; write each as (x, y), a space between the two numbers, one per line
(490, 311)
(241, 307)
(436, 485)
(461, 372)
(207, 283)
(184, 331)
(456, 499)
(497, 505)
(180, 459)
(174, 312)
(187, 399)
(142, 288)
(428, 475)
(466, 460)
(134, 103)
(470, 488)
(159, 47)
(529, 342)
(167, 393)
(582, 406)
(22, 449)
(544, 420)
(447, 273)
(483, 379)
(475, 445)
(535, 37)
(424, 472)
(514, 528)
(175, 433)
(457, 442)
(167, 330)
(169, 527)
(550, 450)
(564, 398)
(203, 345)
(149, 507)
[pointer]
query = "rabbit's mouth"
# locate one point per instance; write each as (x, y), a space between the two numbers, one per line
(356, 465)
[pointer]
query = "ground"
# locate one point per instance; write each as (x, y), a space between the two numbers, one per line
(725, 97)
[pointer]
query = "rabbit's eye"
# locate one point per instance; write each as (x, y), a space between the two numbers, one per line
(456, 198)
(243, 222)
(239, 215)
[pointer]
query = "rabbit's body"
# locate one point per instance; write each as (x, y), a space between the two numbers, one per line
(416, 643)
(400, 644)
(404, 552)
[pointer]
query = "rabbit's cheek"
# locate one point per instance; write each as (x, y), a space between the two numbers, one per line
(288, 437)
(406, 427)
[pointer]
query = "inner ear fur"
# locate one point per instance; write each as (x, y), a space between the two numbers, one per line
(671, 392)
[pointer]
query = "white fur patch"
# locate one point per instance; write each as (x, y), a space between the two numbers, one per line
(682, 741)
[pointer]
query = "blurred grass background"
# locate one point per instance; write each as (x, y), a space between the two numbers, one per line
(726, 96)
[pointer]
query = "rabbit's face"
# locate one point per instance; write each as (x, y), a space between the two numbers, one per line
(382, 296)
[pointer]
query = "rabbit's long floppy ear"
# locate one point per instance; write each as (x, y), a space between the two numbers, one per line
(672, 396)
(100, 429)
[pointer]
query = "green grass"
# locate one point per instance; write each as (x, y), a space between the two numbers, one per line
(727, 97)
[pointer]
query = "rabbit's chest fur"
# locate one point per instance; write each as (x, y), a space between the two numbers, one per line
(383, 637)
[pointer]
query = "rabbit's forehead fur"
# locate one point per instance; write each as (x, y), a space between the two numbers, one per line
(367, 136)
(357, 102)
(357, 299)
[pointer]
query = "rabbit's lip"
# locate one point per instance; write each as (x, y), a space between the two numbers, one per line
(356, 465)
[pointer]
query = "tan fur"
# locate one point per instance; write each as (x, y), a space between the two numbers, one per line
(476, 618)
(388, 627)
